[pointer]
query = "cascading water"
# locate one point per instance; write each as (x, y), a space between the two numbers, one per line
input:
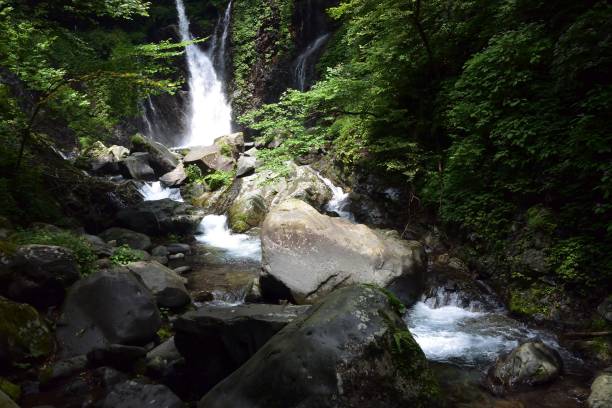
(156, 191)
(209, 111)
(304, 64)
(340, 200)
(214, 232)
(219, 43)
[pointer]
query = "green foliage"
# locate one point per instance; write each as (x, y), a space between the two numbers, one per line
(124, 255)
(194, 174)
(80, 247)
(219, 179)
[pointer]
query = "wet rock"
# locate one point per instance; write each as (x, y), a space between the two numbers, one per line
(132, 394)
(182, 269)
(209, 158)
(161, 217)
(41, 274)
(160, 250)
(601, 391)
(119, 152)
(174, 178)
(108, 307)
(176, 256)
(531, 363)
(217, 340)
(108, 377)
(306, 255)
(350, 350)
(136, 166)
(23, 333)
(161, 159)
(245, 166)
(115, 355)
(166, 285)
(163, 359)
(123, 236)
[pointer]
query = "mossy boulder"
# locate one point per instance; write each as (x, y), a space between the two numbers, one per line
(247, 212)
(23, 333)
(352, 349)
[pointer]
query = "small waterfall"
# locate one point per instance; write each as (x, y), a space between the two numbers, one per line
(219, 43)
(156, 191)
(340, 200)
(304, 64)
(209, 111)
(214, 232)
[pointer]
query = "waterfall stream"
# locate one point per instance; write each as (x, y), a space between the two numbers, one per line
(209, 114)
(151, 191)
(304, 64)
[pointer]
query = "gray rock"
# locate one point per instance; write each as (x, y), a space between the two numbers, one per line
(123, 236)
(235, 141)
(100, 247)
(252, 152)
(137, 166)
(6, 401)
(167, 286)
(350, 350)
(182, 269)
(161, 217)
(605, 309)
(209, 158)
(67, 367)
(99, 160)
(305, 255)
(132, 394)
(176, 256)
(160, 250)
(245, 166)
(601, 391)
(217, 340)
(175, 177)
(41, 274)
(176, 248)
(116, 355)
(531, 363)
(108, 307)
(119, 152)
(161, 159)
(163, 356)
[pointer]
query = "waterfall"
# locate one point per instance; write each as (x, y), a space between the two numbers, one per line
(340, 201)
(214, 232)
(304, 64)
(156, 191)
(219, 43)
(209, 113)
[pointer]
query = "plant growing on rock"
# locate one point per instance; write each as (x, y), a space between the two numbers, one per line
(124, 255)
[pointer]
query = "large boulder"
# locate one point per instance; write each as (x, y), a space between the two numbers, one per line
(232, 144)
(108, 307)
(350, 350)
(23, 333)
(41, 274)
(6, 401)
(262, 191)
(306, 255)
(167, 286)
(161, 159)
(210, 158)
(531, 363)
(137, 166)
(99, 159)
(601, 391)
(217, 340)
(132, 394)
(161, 217)
(245, 166)
(123, 236)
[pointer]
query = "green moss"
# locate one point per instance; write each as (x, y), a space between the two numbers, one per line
(138, 140)
(26, 334)
(10, 389)
(226, 150)
(533, 300)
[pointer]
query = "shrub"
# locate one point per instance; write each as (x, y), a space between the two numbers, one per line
(124, 255)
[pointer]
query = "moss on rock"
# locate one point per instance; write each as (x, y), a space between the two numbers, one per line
(24, 334)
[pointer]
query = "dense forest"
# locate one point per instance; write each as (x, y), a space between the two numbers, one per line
(391, 162)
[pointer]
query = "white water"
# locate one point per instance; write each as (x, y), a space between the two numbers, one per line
(209, 113)
(156, 191)
(304, 64)
(217, 48)
(456, 335)
(339, 202)
(213, 231)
